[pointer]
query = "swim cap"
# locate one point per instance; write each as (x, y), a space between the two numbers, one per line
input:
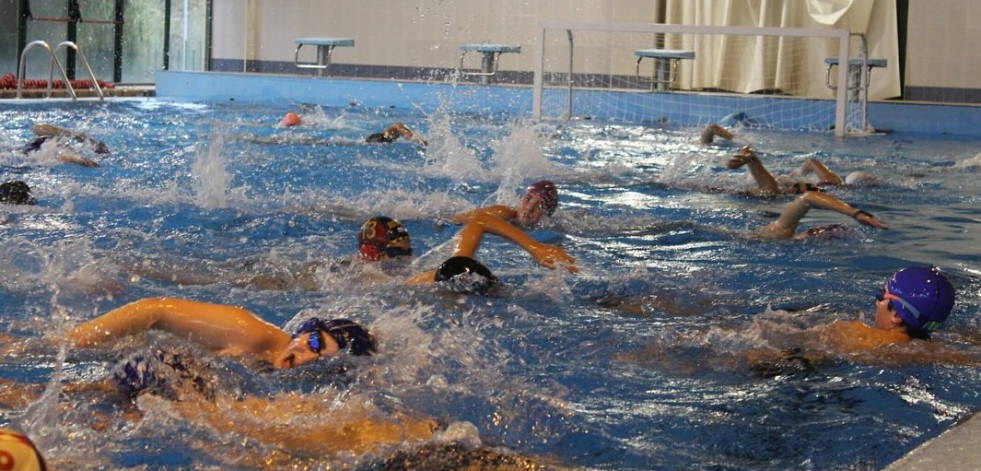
(861, 179)
(377, 238)
(16, 192)
(345, 332)
(465, 275)
(547, 192)
(291, 119)
(921, 296)
(17, 452)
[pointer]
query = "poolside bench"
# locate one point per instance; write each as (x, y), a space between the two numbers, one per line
(325, 46)
(488, 65)
(855, 74)
(665, 70)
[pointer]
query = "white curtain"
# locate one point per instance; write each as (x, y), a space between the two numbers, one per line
(754, 64)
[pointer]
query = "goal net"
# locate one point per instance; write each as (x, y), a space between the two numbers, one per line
(673, 75)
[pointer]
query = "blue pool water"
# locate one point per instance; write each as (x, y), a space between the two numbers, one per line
(639, 361)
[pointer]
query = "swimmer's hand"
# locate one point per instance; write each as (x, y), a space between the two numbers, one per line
(745, 156)
(869, 220)
(549, 256)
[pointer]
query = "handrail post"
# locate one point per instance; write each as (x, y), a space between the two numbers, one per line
(54, 61)
(85, 62)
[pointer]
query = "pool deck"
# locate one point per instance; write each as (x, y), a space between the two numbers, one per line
(117, 91)
(954, 450)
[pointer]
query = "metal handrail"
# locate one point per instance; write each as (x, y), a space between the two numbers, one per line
(85, 62)
(54, 61)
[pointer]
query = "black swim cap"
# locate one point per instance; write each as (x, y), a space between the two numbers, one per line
(465, 275)
(345, 332)
(16, 192)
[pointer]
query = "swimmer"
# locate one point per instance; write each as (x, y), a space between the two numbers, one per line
(291, 119)
(16, 192)
(18, 453)
(470, 237)
(785, 227)
(380, 239)
(793, 184)
(712, 130)
(228, 330)
(46, 132)
(540, 199)
(383, 238)
(393, 132)
(911, 305)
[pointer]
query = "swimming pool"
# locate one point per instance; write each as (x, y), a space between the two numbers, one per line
(637, 362)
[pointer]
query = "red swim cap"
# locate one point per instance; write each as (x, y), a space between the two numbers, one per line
(291, 119)
(547, 192)
(377, 234)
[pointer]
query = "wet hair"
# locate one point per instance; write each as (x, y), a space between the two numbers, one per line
(347, 333)
(549, 194)
(16, 192)
(465, 275)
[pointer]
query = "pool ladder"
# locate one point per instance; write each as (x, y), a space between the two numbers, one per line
(61, 70)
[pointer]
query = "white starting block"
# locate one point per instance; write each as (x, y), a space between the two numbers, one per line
(666, 68)
(488, 65)
(325, 46)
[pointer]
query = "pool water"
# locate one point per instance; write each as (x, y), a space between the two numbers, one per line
(639, 361)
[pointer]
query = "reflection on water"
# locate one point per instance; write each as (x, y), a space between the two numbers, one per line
(638, 362)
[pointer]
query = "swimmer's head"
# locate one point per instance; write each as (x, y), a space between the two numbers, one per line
(291, 119)
(921, 296)
(382, 238)
(16, 192)
(861, 179)
(17, 452)
(316, 338)
(540, 198)
(465, 275)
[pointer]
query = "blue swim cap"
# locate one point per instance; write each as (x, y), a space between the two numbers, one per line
(345, 332)
(922, 297)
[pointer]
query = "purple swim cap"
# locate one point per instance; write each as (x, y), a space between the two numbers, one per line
(547, 192)
(922, 297)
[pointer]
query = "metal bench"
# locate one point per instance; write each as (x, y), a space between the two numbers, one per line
(666, 67)
(488, 65)
(325, 46)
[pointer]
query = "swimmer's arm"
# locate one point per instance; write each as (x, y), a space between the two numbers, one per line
(712, 130)
(216, 326)
(545, 254)
(506, 213)
(401, 129)
(764, 179)
(423, 278)
(77, 159)
(825, 175)
(47, 130)
(785, 226)
(822, 200)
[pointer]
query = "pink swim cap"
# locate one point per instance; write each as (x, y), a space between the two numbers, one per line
(547, 192)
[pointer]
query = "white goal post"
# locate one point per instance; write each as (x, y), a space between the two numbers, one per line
(732, 68)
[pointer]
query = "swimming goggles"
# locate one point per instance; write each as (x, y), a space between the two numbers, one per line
(315, 342)
(885, 294)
